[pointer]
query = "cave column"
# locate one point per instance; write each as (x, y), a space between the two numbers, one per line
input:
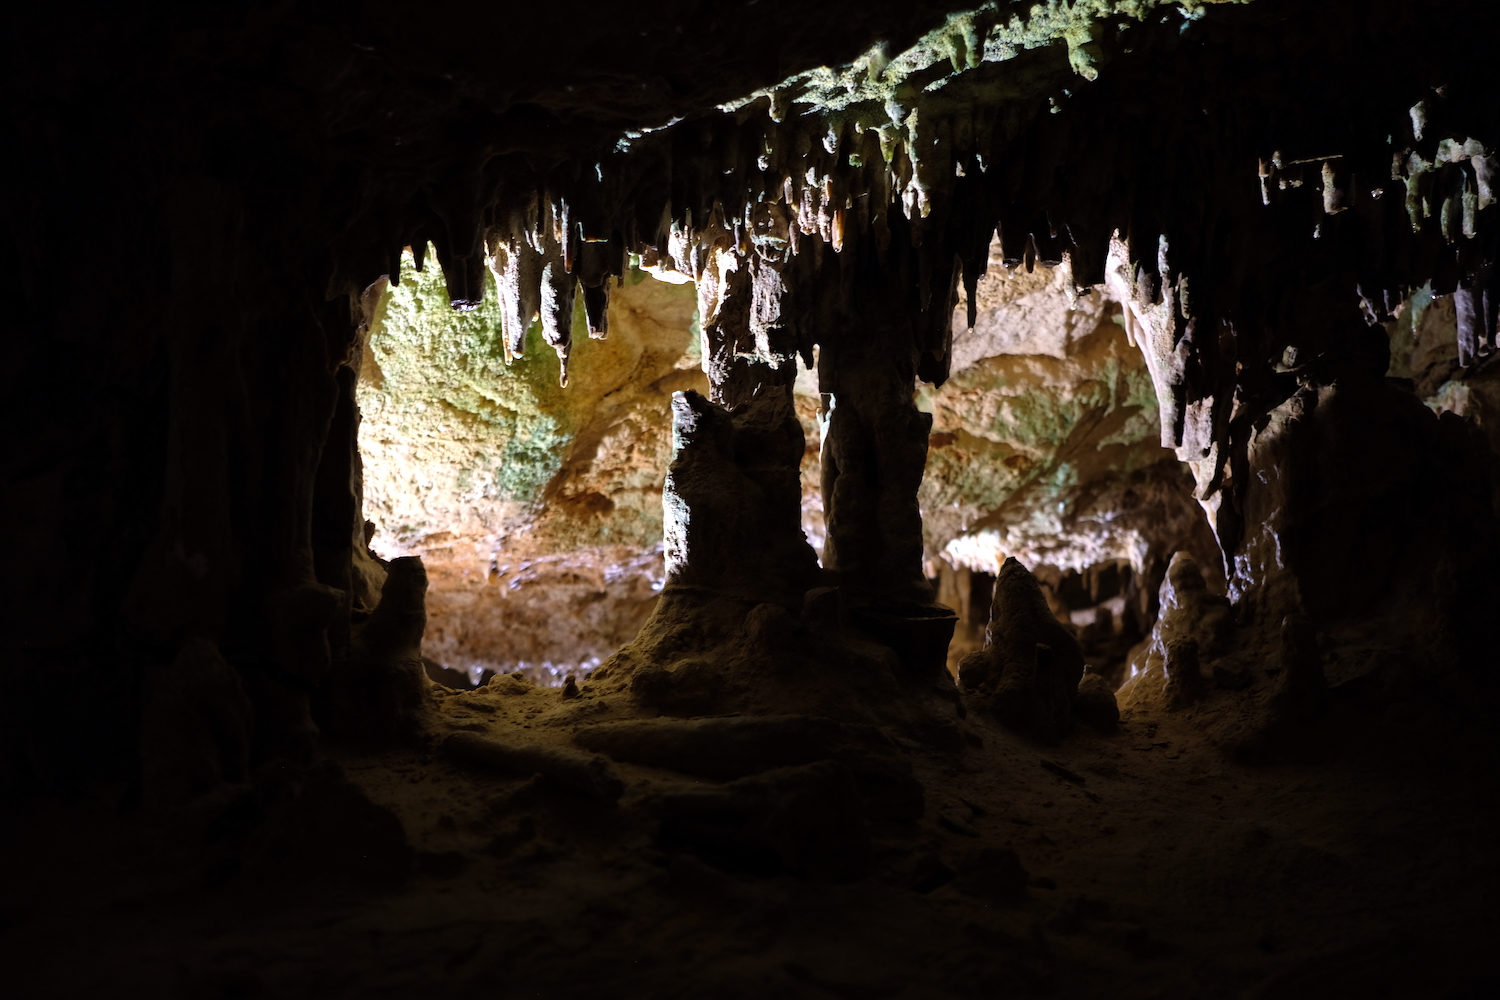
(874, 454)
(733, 496)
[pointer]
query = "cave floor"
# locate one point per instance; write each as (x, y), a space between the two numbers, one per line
(1158, 869)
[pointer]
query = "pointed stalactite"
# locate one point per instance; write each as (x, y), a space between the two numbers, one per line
(557, 293)
(518, 272)
(596, 308)
(1477, 307)
(596, 263)
(460, 254)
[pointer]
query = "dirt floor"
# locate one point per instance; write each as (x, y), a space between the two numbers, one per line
(1153, 868)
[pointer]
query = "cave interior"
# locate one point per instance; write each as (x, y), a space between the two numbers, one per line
(751, 499)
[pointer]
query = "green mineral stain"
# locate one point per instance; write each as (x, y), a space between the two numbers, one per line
(1030, 446)
(878, 89)
(442, 379)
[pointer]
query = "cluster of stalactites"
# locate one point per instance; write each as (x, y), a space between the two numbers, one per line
(541, 258)
(820, 161)
(1439, 188)
(753, 202)
(756, 207)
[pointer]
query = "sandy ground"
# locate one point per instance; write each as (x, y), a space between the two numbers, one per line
(1156, 869)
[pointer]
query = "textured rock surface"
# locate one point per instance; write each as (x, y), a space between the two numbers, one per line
(1046, 446)
(1028, 672)
(732, 500)
(1043, 444)
(1045, 438)
(381, 691)
(536, 509)
(1096, 703)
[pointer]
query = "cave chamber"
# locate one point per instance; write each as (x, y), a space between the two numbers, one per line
(1039, 538)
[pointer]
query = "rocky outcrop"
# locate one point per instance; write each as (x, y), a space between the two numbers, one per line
(1046, 446)
(733, 500)
(1195, 632)
(1029, 670)
(380, 692)
(573, 772)
(1045, 439)
(740, 746)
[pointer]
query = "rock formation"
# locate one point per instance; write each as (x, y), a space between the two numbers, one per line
(1031, 665)
(523, 498)
(380, 691)
(733, 500)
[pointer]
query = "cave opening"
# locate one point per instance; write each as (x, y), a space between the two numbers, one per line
(534, 512)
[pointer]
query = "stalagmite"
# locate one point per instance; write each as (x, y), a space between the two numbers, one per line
(380, 693)
(1096, 703)
(1029, 671)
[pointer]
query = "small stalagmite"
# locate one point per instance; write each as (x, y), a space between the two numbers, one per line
(381, 692)
(1029, 670)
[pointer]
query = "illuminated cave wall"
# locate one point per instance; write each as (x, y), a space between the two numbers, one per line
(536, 508)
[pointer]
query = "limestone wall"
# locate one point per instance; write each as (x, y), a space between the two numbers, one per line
(537, 509)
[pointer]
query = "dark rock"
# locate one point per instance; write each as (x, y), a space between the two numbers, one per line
(1301, 689)
(303, 616)
(733, 500)
(929, 873)
(992, 873)
(1232, 676)
(1184, 673)
(1063, 772)
(745, 745)
(691, 686)
(808, 821)
(771, 628)
(381, 692)
(874, 447)
(575, 772)
(1096, 704)
(1076, 913)
(1031, 665)
(446, 676)
(319, 826)
(974, 670)
(195, 730)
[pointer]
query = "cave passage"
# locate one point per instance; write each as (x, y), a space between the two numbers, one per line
(750, 499)
(519, 495)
